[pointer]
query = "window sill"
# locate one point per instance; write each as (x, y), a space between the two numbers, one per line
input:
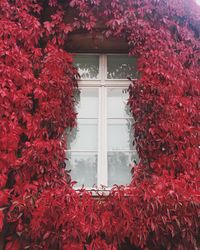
(100, 192)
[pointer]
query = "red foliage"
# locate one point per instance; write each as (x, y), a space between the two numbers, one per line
(38, 207)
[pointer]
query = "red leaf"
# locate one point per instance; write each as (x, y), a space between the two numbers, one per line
(1, 220)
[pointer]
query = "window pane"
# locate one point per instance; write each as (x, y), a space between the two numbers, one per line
(83, 168)
(120, 134)
(121, 67)
(119, 169)
(88, 66)
(84, 136)
(117, 103)
(87, 103)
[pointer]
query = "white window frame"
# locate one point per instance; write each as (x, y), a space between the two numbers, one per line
(102, 83)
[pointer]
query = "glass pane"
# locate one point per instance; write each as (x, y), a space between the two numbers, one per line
(83, 168)
(84, 136)
(121, 67)
(120, 134)
(119, 168)
(117, 103)
(88, 66)
(87, 103)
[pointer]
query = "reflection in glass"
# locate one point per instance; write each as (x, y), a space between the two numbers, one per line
(121, 67)
(117, 103)
(83, 168)
(120, 134)
(84, 136)
(119, 169)
(87, 106)
(88, 66)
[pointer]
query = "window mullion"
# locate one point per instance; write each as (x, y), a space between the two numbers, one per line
(104, 125)
(102, 160)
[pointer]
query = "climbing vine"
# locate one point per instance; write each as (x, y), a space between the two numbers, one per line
(39, 209)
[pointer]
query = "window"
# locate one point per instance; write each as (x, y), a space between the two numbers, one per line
(100, 149)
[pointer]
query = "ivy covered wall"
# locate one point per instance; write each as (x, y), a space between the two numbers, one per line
(39, 209)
